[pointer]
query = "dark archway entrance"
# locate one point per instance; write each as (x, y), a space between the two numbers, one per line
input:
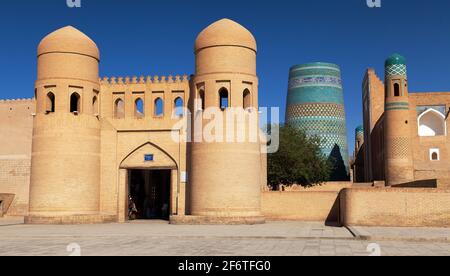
(149, 190)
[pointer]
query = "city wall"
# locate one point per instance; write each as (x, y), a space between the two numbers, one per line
(16, 124)
(341, 204)
(395, 207)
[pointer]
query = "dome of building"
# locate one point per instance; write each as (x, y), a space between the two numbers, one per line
(68, 40)
(396, 59)
(359, 130)
(225, 32)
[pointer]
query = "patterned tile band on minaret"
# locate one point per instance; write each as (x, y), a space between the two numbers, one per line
(316, 104)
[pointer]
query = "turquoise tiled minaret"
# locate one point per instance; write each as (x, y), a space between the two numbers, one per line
(316, 104)
(359, 131)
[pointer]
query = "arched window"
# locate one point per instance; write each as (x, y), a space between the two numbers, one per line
(432, 123)
(201, 95)
(159, 107)
(119, 109)
(179, 106)
(50, 103)
(139, 108)
(247, 99)
(223, 97)
(75, 103)
(95, 108)
(397, 90)
(434, 156)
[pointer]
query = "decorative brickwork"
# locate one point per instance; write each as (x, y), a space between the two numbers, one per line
(399, 147)
(316, 105)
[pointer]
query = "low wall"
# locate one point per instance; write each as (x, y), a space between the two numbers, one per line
(305, 206)
(325, 187)
(400, 207)
(16, 124)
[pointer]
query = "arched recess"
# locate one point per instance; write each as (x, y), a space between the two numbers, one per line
(396, 90)
(50, 103)
(434, 156)
(432, 123)
(159, 108)
(139, 111)
(95, 106)
(201, 96)
(179, 107)
(247, 99)
(161, 159)
(119, 109)
(75, 103)
(224, 100)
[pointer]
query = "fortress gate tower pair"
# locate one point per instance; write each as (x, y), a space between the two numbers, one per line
(87, 134)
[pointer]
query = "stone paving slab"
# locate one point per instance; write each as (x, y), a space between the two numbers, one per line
(147, 246)
(401, 234)
(274, 230)
(156, 238)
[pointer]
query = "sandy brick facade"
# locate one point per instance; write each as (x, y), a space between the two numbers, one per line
(16, 123)
(304, 206)
(395, 207)
(69, 155)
(402, 132)
(82, 137)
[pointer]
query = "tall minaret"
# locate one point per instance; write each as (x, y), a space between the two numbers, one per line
(225, 182)
(65, 168)
(359, 139)
(398, 152)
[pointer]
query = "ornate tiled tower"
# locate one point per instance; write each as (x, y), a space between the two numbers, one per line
(359, 138)
(316, 105)
(398, 154)
(65, 166)
(358, 158)
(225, 175)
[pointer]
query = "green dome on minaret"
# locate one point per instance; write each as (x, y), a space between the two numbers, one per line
(360, 129)
(395, 59)
(395, 66)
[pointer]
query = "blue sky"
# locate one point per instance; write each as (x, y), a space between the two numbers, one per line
(157, 37)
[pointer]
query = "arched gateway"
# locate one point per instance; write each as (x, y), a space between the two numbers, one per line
(149, 180)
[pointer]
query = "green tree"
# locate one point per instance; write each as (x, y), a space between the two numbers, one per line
(299, 160)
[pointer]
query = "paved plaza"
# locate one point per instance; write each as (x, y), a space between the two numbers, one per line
(150, 238)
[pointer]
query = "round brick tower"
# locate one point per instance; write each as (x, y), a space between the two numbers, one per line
(397, 145)
(316, 105)
(225, 174)
(65, 170)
